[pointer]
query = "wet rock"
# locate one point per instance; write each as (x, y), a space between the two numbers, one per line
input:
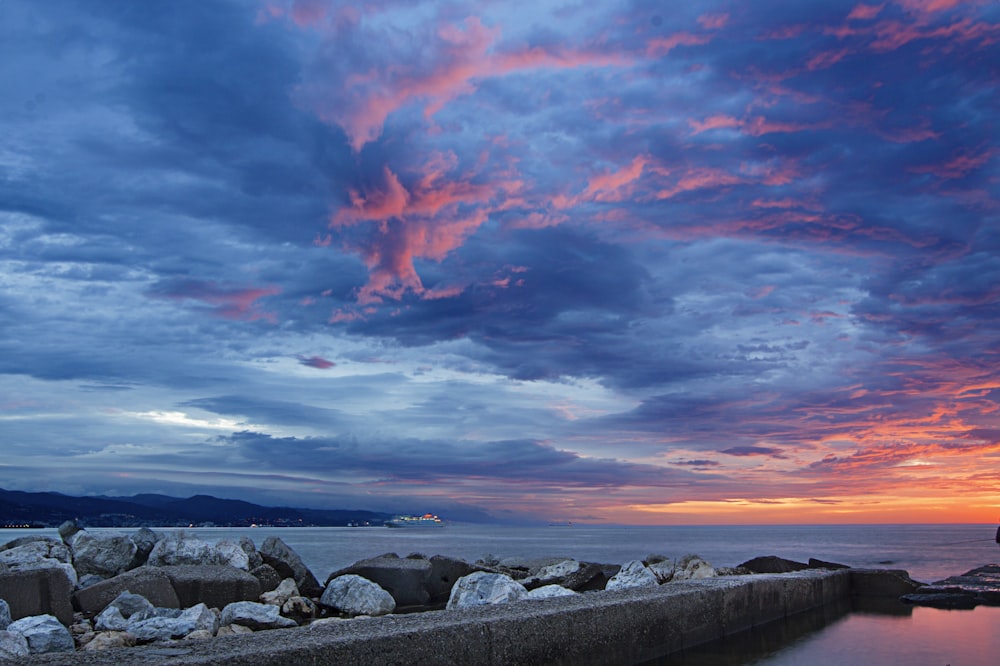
(947, 600)
(44, 633)
(255, 616)
(982, 583)
(354, 595)
(481, 588)
(633, 574)
(288, 564)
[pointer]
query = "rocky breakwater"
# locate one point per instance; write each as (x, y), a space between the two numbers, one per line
(975, 587)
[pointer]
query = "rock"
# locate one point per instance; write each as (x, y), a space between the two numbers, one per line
(771, 564)
(25, 540)
(129, 604)
(982, 583)
(153, 583)
(633, 574)
(591, 576)
(198, 617)
(144, 539)
(255, 616)
(40, 554)
(445, 571)
(300, 609)
(253, 557)
(549, 591)
(12, 645)
(268, 578)
(820, 564)
(179, 549)
(551, 574)
(81, 627)
(199, 635)
(215, 585)
(87, 580)
(664, 570)
(354, 595)
(481, 588)
(288, 564)
(38, 592)
(5, 618)
(232, 554)
(692, 567)
(233, 630)
(279, 595)
(68, 529)
(881, 583)
(44, 633)
(110, 619)
(407, 580)
(948, 600)
(105, 556)
(110, 639)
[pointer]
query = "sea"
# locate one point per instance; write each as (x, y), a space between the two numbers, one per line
(863, 636)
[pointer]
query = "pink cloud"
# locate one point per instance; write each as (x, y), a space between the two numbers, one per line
(717, 121)
(958, 166)
(228, 301)
(863, 12)
(825, 59)
(317, 362)
(929, 6)
(713, 21)
(660, 46)
(608, 186)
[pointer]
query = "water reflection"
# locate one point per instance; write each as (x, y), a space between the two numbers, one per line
(870, 632)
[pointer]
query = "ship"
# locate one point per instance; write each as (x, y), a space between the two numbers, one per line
(426, 520)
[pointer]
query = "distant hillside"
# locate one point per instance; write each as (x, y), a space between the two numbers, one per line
(51, 509)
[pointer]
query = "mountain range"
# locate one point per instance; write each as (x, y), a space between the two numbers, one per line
(48, 509)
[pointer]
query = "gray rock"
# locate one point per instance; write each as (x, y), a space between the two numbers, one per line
(68, 529)
(268, 578)
(771, 564)
(481, 588)
(551, 574)
(153, 583)
(663, 569)
(31, 538)
(946, 600)
(279, 595)
(87, 580)
(253, 557)
(407, 580)
(110, 619)
(820, 564)
(179, 549)
(445, 571)
(633, 574)
(215, 585)
(288, 564)
(199, 617)
(881, 583)
(255, 616)
(12, 645)
(692, 567)
(354, 595)
(105, 556)
(110, 639)
(144, 539)
(44, 633)
(39, 554)
(548, 592)
(129, 604)
(5, 618)
(232, 554)
(38, 592)
(299, 609)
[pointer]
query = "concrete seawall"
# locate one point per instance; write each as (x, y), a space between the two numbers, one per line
(594, 628)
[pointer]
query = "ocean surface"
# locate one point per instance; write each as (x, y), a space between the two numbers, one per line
(912, 636)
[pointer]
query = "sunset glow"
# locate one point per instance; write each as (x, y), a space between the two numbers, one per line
(527, 261)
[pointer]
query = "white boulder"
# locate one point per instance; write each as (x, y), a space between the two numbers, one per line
(634, 574)
(44, 633)
(168, 625)
(550, 591)
(664, 570)
(481, 588)
(355, 595)
(692, 567)
(104, 556)
(278, 596)
(255, 616)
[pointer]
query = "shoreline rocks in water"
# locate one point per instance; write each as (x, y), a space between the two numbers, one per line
(93, 592)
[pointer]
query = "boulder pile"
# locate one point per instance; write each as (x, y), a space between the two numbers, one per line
(93, 591)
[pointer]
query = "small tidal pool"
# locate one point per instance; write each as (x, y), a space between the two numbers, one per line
(866, 635)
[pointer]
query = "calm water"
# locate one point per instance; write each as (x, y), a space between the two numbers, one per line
(901, 635)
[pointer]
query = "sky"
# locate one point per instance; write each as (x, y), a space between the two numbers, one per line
(637, 262)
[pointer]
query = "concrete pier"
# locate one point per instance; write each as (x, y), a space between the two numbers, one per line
(619, 627)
